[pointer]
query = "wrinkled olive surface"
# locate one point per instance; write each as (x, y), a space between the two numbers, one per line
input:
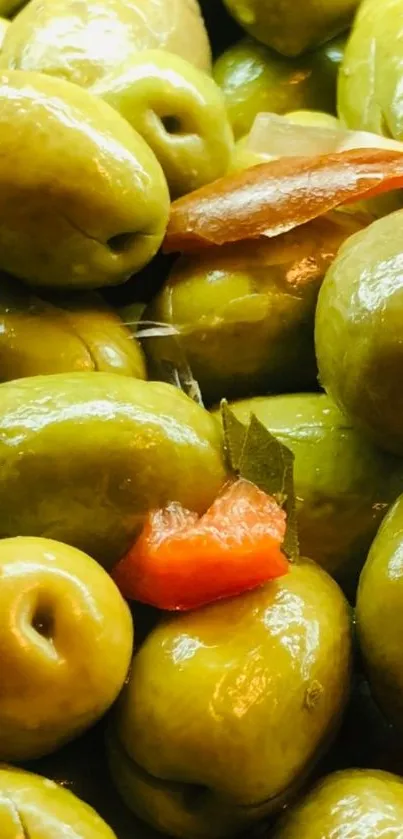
(77, 333)
(35, 807)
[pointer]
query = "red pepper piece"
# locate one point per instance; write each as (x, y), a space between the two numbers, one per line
(273, 197)
(181, 561)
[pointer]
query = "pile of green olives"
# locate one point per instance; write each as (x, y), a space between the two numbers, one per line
(276, 713)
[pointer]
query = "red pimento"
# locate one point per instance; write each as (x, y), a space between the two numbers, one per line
(271, 198)
(181, 561)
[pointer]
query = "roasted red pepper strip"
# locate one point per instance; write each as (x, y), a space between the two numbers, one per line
(274, 197)
(181, 561)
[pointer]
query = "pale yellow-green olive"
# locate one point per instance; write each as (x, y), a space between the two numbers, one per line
(179, 111)
(88, 205)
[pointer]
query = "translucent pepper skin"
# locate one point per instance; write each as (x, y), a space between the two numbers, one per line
(178, 110)
(227, 707)
(88, 207)
(272, 198)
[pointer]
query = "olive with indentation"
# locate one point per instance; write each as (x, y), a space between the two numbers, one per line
(227, 708)
(66, 639)
(180, 112)
(78, 332)
(32, 807)
(88, 206)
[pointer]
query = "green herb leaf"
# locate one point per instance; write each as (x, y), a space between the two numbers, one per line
(258, 456)
(266, 462)
(234, 437)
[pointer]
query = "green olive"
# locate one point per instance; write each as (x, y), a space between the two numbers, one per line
(32, 807)
(357, 802)
(85, 457)
(66, 643)
(369, 94)
(178, 110)
(77, 333)
(228, 707)
(83, 40)
(289, 29)
(358, 331)
(255, 79)
(244, 313)
(88, 206)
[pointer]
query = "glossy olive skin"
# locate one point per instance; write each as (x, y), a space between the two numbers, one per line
(255, 79)
(92, 210)
(4, 24)
(369, 96)
(180, 113)
(361, 804)
(111, 344)
(343, 484)
(358, 331)
(86, 455)
(66, 642)
(77, 333)
(226, 721)
(83, 40)
(277, 25)
(379, 615)
(245, 312)
(35, 807)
